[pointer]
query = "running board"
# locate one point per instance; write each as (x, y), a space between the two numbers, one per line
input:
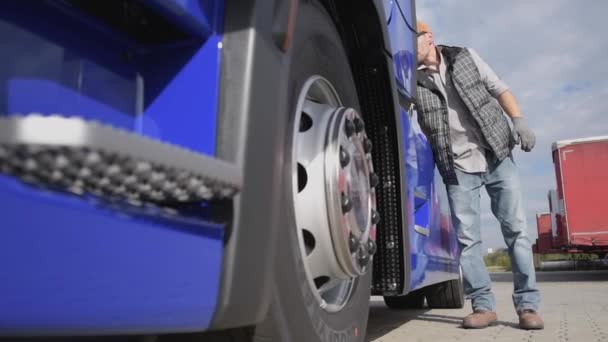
(86, 157)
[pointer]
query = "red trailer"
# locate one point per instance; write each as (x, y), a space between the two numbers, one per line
(544, 243)
(580, 207)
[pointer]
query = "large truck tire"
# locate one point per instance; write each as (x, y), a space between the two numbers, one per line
(322, 291)
(412, 300)
(446, 295)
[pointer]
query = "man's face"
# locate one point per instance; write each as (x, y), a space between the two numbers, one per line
(425, 44)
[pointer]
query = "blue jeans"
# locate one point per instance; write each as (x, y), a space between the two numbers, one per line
(502, 184)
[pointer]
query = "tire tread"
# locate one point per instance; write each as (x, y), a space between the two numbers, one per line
(413, 300)
(446, 295)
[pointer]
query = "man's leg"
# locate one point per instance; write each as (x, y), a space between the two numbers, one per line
(503, 186)
(464, 201)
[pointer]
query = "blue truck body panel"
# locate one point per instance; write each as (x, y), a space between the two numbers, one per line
(434, 252)
(82, 70)
(202, 18)
(74, 266)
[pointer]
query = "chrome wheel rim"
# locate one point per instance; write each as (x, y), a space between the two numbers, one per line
(333, 193)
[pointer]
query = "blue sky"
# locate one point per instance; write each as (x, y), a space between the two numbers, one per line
(552, 54)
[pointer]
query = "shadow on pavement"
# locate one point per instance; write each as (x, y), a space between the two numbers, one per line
(383, 320)
(457, 320)
(556, 276)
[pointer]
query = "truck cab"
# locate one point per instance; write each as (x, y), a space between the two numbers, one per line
(215, 169)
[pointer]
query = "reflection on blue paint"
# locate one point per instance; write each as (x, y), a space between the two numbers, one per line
(433, 258)
(402, 43)
(404, 70)
(58, 65)
(200, 17)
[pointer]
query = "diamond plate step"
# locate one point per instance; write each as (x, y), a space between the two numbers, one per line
(71, 154)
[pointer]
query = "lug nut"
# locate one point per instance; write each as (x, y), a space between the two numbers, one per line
(371, 247)
(374, 180)
(353, 243)
(347, 204)
(367, 145)
(359, 125)
(344, 157)
(349, 128)
(363, 257)
(375, 217)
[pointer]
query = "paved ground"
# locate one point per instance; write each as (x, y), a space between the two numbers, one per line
(575, 308)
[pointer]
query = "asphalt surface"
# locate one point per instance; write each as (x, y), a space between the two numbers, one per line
(574, 307)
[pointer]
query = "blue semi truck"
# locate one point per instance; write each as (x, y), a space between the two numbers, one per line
(214, 170)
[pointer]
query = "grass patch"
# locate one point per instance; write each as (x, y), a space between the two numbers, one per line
(500, 260)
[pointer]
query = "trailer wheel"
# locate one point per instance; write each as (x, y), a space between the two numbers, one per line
(412, 300)
(446, 295)
(327, 238)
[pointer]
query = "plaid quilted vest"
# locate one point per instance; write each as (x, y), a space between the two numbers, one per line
(433, 112)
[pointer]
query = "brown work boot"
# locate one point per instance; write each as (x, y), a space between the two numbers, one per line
(530, 320)
(479, 319)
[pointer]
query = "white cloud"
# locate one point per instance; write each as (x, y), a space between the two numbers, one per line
(552, 55)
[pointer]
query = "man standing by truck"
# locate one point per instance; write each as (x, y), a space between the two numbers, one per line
(461, 104)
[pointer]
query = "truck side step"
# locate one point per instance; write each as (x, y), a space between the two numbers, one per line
(86, 157)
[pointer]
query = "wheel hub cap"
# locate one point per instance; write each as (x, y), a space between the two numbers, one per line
(334, 198)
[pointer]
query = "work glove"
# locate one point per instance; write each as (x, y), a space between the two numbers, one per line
(523, 134)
